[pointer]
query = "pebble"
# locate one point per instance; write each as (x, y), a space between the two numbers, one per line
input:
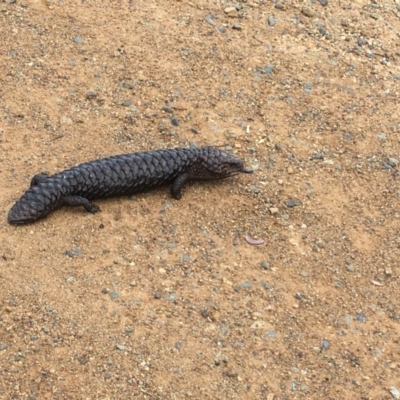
(78, 40)
(323, 2)
(127, 103)
(279, 5)
(120, 347)
(237, 27)
(360, 317)
(325, 345)
(394, 392)
(114, 294)
(382, 136)
(230, 10)
(104, 290)
(393, 161)
(91, 95)
(246, 284)
(271, 21)
(3, 346)
(64, 120)
(292, 203)
(133, 283)
(175, 122)
(168, 109)
(350, 268)
(347, 319)
(264, 265)
(178, 345)
(307, 11)
(209, 19)
(267, 69)
(70, 279)
(274, 210)
(157, 295)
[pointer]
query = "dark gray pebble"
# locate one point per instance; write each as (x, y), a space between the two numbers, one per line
(178, 345)
(91, 95)
(157, 295)
(104, 291)
(360, 317)
(168, 109)
(264, 265)
(69, 253)
(204, 313)
(292, 203)
(175, 122)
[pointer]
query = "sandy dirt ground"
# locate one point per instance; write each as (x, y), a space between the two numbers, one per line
(154, 298)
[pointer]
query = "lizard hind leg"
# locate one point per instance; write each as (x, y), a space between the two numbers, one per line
(81, 201)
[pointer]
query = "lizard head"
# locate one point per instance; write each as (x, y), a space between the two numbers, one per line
(218, 164)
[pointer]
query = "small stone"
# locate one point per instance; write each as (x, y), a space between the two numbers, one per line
(70, 279)
(175, 122)
(3, 346)
(360, 317)
(382, 136)
(271, 21)
(104, 290)
(178, 345)
(393, 161)
(292, 203)
(120, 347)
(279, 5)
(127, 103)
(394, 392)
(307, 11)
(304, 274)
(246, 284)
(388, 271)
(290, 170)
(324, 2)
(350, 268)
(133, 283)
(91, 95)
(157, 295)
(325, 345)
(230, 10)
(237, 27)
(78, 40)
(162, 271)
(209, 19)
(274, 210)
(264, 265)
(347, 319)
(64, 120)
(114, 294)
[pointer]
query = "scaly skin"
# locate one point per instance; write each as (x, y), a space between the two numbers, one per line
(122, 175)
